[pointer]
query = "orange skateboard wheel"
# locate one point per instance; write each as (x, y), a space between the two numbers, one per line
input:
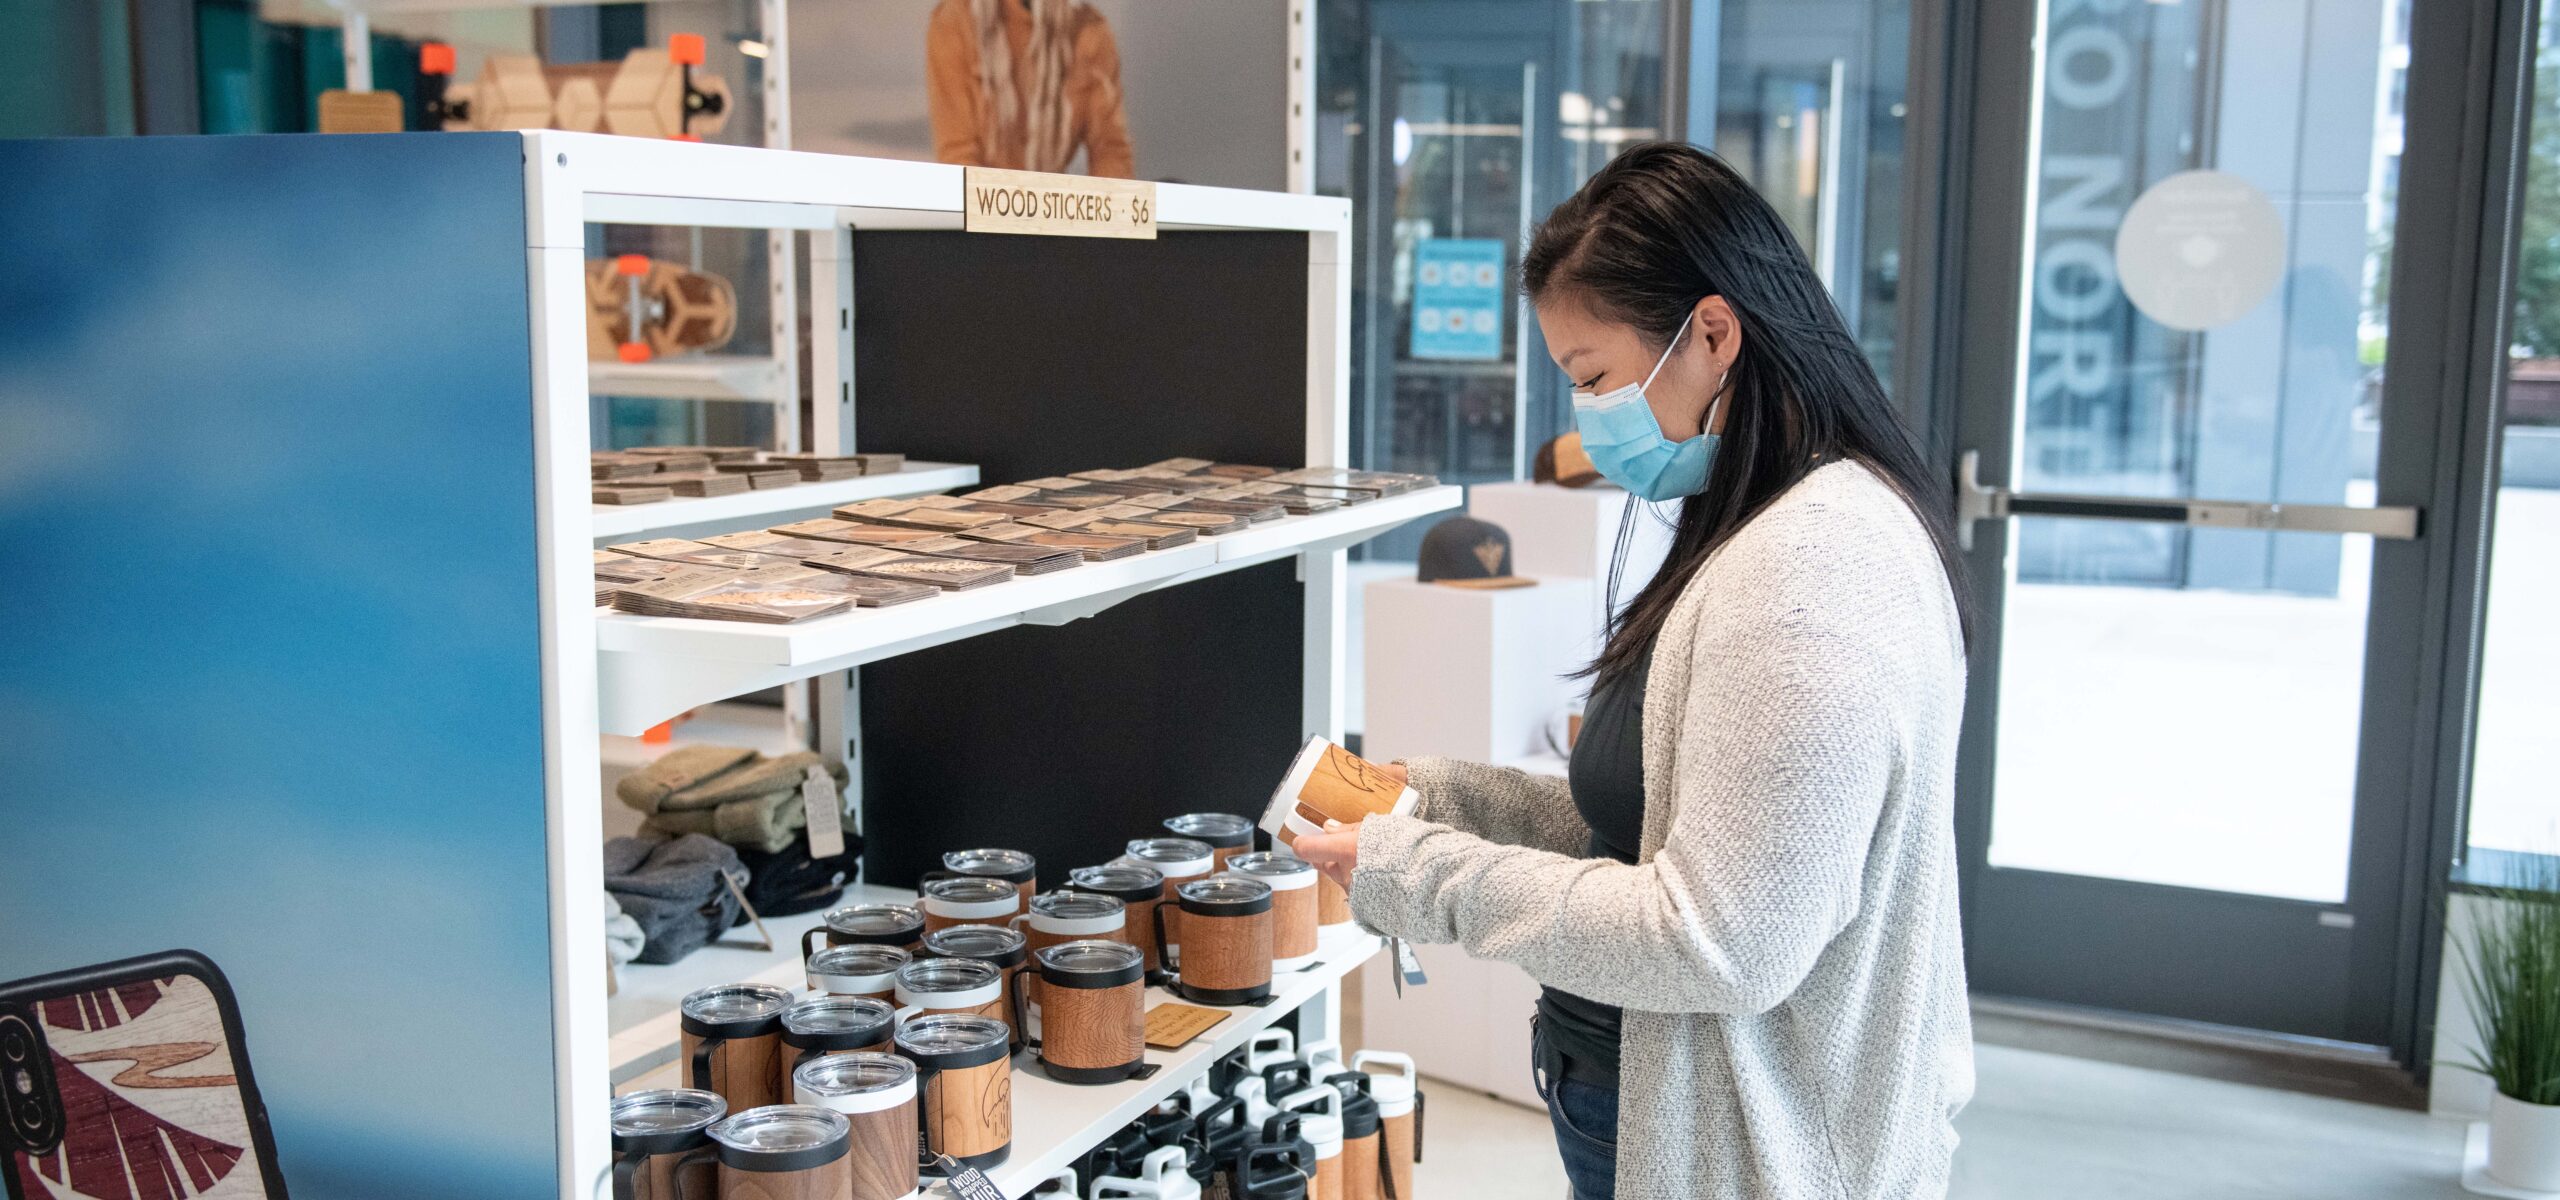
(435, 58)
(686, 49)
(634, 352)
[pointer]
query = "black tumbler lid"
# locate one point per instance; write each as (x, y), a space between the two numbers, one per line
(1014, 865)
(734, 1010)
(783, 1137)
(665, 1120)
(987, 943)
(1219, 829)
(1225, 894)
(875, 919)
(1123, 880)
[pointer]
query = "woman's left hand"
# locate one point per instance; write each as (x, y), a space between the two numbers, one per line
(1335, 851)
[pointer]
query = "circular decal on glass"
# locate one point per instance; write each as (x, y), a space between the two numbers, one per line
(2199, 249)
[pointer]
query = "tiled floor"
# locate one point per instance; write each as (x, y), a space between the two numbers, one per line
(2052, 1127)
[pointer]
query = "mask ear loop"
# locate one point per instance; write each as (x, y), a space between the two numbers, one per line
(1724, 387)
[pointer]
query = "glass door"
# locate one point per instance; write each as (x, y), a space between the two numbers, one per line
(2169, 456)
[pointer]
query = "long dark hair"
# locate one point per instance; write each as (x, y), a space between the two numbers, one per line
(1664, 226)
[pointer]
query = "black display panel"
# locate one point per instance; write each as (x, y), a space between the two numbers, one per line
(1038, 356)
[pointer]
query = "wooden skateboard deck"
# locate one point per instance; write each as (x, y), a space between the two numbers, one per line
(677, 310)
(650, 93)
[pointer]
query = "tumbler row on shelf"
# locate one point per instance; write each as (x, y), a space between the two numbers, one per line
(1264, 1123)
(894, 551)
(647, 474)
(943, 994)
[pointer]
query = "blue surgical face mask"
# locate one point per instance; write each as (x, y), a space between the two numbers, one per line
(1626, 443)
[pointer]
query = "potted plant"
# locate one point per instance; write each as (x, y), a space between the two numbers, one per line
(2511, 977)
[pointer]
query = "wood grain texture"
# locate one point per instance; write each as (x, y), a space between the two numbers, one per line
(969, 1111)
(1173, 910)
(1093, 1028)
(1140, 929)
(1359, 1161)
(828, 1182)
(1227, 953)
(1398, 1131)
(743, 1070)
(1328, 1182)
(1293, 922)
(882, 1165)
(1333, 905)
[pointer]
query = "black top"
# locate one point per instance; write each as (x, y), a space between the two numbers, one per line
(1607, 777)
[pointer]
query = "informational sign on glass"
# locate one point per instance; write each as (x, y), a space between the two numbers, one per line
(1458, 298)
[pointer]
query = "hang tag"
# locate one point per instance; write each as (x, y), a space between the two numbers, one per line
(1409, 965)
(825, 812)
(967, 1183)
(764, 936)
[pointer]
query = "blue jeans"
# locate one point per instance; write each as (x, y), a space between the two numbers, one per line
(1586, 1120)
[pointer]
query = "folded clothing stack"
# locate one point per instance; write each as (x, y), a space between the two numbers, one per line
(672, 889)
(792, 882)
(739, 796)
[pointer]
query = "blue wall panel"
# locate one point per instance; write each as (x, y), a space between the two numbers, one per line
(269, 647)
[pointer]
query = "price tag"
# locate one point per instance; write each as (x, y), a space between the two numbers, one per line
(997, 201)
(825, 810)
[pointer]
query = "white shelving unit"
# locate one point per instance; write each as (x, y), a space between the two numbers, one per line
(607, 672)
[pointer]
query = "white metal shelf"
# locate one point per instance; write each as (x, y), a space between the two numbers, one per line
(758, 507)
(650, 668)
(700, 377)
(1053, 1123)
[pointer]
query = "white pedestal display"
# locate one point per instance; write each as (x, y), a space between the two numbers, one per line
(1561, 531)
(1465, 672)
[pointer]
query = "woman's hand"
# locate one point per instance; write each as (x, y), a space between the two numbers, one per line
(1335, 851)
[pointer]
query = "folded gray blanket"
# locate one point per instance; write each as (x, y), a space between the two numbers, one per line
(672, 888)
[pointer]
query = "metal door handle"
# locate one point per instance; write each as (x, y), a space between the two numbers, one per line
(1974, 502)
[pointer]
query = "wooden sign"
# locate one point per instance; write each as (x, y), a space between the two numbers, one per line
(1171, 1026)
(995, 201)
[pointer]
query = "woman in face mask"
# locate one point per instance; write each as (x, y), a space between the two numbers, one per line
(1741, 901)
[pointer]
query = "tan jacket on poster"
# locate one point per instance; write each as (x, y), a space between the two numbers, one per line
(962, 133)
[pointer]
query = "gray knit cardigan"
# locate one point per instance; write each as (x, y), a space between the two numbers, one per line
(1786, 947)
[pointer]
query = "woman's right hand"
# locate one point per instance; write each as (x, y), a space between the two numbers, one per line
(1394, 771)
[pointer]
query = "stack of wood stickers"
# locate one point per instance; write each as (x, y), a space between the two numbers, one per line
(776, 597)
(893, 551)
(646, 474)
(948, 574)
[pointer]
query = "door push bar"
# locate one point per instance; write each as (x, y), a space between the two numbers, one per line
(1974, 502)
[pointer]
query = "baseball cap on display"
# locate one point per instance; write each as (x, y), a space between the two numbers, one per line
(1467, 553)
(1562, 461)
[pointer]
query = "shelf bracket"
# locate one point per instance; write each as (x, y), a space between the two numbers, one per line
(1086, 606)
